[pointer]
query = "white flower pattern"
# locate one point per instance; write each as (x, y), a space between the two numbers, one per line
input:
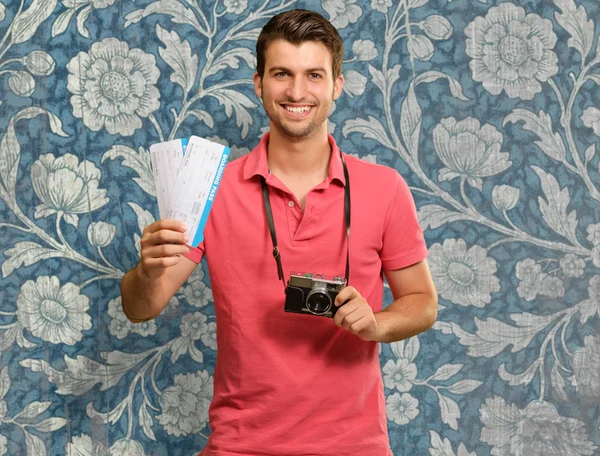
(593, 233)
(591, 306)
(113, 87)
(184, 405)
(364, 50)
(381, 5)
(572, 265)
(596, 256)
(536, 430)
(469, 150)
(120, 326)
(401, 409)
(586, 375)
(101, 234)
(505, 197)
(64, 185)
(552, 287)
(196, 291)
(399, 374)
(511, 51)
(194, 325)
(342, 12)
(209, 338)
(591, 119)
(54, 313)
(530, 277)
(236, 6)
(463, 276)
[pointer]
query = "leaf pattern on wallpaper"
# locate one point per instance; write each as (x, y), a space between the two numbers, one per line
(174, 9)
(178, 54)
(25, 254)
(138, 161)
(554, 206)
(540, 124)
(236, 102)
(574, 19)
(27, 21)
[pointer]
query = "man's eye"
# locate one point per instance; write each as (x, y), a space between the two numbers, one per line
(281, 73)
(315, 75)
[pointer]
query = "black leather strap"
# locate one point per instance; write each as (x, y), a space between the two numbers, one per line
(347, 214)
(271, 223)
(269, 213)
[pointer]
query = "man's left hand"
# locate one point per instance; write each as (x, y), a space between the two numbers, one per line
(355, 315)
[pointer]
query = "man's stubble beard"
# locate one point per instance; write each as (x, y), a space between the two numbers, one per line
(292, 133)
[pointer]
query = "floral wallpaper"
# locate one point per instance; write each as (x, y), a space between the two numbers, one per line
(490, 111)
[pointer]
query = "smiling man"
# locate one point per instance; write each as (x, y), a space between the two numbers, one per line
(298, 105)
(288, 380)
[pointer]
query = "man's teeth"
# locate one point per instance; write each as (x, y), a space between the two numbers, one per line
(297, 110)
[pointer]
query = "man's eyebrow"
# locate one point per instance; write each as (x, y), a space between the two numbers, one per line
(287, 70)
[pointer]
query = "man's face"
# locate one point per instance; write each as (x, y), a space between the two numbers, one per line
(297, 88)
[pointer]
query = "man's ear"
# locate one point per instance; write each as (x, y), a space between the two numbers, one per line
(258, 85)
(338, 84)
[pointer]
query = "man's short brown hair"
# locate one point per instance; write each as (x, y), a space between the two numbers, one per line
(298, 26)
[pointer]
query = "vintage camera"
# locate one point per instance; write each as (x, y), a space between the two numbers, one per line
(313, 294)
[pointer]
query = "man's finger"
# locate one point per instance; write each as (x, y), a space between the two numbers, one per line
(346, 294)
(351, 319)
(344, 311)
(165, 250)
(359, 325)
(167, 224)
(167, 237)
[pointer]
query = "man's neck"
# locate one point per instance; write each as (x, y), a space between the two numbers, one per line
(308, 157)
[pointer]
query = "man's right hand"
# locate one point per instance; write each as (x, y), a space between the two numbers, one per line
(162, 245)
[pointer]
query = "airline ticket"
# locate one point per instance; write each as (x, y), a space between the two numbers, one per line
(196, 184)
(166, 160)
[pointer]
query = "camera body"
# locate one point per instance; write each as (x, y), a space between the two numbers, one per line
(313, 294)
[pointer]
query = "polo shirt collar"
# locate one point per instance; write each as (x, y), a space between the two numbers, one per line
(256, 164)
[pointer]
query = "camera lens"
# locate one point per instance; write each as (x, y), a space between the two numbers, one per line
(318, 301)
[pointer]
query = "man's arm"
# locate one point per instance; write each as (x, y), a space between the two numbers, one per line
(144, 298)
(162, 270)
(413, 311)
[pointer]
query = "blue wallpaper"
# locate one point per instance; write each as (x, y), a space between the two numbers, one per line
(490, 111)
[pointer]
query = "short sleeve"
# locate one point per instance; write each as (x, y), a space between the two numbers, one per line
(403, 241)
(196, 253)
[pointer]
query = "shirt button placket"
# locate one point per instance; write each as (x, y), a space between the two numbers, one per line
(293, 221)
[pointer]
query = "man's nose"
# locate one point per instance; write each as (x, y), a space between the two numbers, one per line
(296, 88)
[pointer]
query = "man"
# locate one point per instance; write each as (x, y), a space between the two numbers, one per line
(290, 384)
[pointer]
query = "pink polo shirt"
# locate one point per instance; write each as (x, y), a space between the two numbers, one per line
(291, 384)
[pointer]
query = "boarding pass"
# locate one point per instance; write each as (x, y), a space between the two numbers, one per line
(187, 174)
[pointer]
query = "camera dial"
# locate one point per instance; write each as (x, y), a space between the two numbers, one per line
(318, 300)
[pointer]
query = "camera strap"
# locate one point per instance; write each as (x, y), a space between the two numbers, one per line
(271, 223)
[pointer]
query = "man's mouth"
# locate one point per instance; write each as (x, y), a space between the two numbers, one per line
(296, 109)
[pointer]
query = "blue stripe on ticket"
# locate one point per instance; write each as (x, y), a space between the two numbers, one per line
(199, 236)
(184, 143)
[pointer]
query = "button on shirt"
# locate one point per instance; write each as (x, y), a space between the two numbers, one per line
(287, 383)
